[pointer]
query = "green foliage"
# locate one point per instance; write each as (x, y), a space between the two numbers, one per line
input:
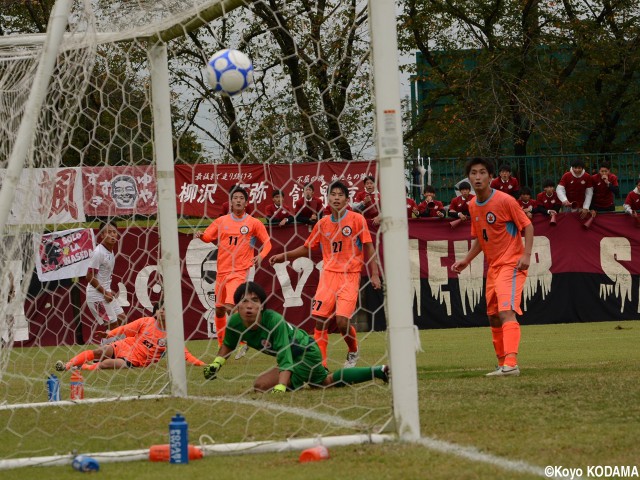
(511, 78)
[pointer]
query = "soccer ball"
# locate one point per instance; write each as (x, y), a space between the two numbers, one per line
(229, 71)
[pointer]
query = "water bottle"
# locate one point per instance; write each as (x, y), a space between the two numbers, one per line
(53, 388)
(82, 463)
(77, 386)
(178, 440)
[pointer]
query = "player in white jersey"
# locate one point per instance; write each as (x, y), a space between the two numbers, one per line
(101, 300)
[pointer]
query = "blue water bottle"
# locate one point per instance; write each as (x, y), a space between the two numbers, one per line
(178, 440)
(82, 463)
(53, 388)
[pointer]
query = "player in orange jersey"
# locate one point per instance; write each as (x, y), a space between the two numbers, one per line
(343, 237)
(144, 343)
(235, 236)
(496, 223)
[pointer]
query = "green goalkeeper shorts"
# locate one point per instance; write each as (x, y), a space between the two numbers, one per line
(308, 368)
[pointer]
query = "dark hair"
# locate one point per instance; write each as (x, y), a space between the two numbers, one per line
(338, 184)
(606, 165)
(241, 190)
(525, 191)
(157, 306)
(104, 224)
(249, 287)
(578, 163)
(430, 189)
(310, 185)
(505, 167)
(464, 186)
(485, 162)
(548, 183)
(370, 177)
(276, 192)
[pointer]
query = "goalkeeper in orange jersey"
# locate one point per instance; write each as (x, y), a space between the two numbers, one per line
(235, 235)
(145, 343)
(297, 354)
(343, 237)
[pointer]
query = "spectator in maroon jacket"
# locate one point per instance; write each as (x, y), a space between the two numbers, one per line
(459, 207)
(528, 205)
(308, 209)
(575, 189)
(431, 207)
(605, 189)
(505, 182)
(277, 213)
(547, 200)
(367, 201)
(412, 207)
(632, 203)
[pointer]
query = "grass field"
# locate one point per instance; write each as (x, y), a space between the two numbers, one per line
(576, 404)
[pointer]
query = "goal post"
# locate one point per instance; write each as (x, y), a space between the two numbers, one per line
(322, 108)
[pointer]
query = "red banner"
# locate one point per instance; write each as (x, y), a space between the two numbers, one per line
(576, 274)
(112, 191)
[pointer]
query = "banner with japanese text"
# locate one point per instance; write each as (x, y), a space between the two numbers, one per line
(113, 191)
(47, 195)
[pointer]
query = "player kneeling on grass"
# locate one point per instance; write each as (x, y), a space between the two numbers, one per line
(145, 343)
(297, 354)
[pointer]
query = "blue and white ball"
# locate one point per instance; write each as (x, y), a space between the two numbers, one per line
(230, 71)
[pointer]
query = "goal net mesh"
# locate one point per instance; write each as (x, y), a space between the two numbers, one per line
(308, 119)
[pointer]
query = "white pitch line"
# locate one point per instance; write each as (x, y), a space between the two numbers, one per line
(473, 454)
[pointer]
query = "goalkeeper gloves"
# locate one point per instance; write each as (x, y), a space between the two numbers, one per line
(279, 388)
(211, 371)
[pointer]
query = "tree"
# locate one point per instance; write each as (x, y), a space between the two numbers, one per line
(509, 77)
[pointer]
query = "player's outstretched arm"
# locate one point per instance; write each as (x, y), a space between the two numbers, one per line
(301, 251)
(211, 371)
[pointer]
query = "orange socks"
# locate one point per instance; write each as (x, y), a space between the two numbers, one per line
(82, 357)
(322, 339)
(511, 342)
(498, 345)
(92, 366)
(351, 339)
(221, 325)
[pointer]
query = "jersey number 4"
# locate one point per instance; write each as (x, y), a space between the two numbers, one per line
(484, 235)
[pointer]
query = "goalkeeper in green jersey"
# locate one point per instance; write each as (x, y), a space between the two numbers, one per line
(298, 356)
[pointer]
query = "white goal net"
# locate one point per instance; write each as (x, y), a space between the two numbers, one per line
(131, 157)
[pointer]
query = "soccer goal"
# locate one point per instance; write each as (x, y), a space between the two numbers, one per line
(108, 116)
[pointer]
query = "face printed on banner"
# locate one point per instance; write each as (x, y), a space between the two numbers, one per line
(124, 191)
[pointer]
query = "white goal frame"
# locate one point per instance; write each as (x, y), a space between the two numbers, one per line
(394, 227)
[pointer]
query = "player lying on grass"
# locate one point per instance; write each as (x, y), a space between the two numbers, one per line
(145, 343)
(297, 354)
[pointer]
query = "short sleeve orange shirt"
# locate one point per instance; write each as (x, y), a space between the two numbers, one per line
(341, 241)
(497, 223)
(236, 240)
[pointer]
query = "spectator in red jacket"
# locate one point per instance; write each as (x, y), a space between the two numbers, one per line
(277, 213)
(605, 189)
(547, 200)
(367, 201)
(575, 189)
(308, 209)
(632, 203)
(505, 182)
(412, 207)
(459, 207)
(528, 205)
(431, 207)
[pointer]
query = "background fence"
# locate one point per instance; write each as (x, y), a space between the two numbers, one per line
(533, 170)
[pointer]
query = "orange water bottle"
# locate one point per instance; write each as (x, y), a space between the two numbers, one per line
(77, 386)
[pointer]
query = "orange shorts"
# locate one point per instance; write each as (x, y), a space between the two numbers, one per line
(504, 289)
(125, 350)
(337, 294)
(226, 285)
